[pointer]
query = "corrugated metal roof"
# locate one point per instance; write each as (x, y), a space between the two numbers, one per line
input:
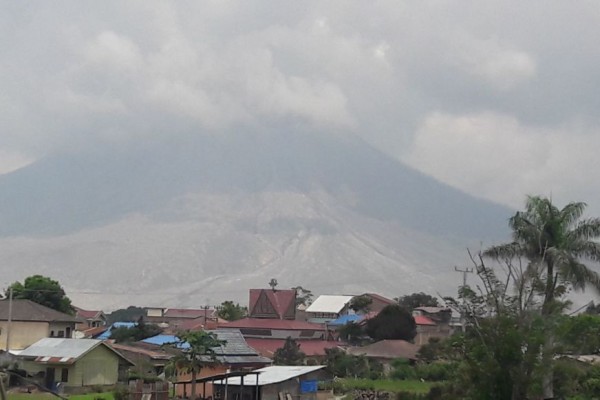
(60, 348)
(50, 350)
(273, 374)
(234, 351)
(329, 304)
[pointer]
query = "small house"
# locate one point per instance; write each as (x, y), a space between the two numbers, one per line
(328, 308)
(73, 363)
(274, 383)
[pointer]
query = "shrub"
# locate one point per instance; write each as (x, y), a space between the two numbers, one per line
(121, 393)
(438, 371)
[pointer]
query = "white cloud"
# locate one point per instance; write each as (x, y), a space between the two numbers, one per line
(496, 157)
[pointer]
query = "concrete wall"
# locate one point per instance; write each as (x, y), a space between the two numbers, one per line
(22, 333)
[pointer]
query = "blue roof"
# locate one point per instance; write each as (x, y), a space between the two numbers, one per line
(346, 319)
(160, 340)
(106, 334)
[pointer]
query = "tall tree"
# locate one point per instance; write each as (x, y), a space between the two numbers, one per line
(44, 291)
(303, 296)
(361, 304)
(393, 322)
(289, 354)
(197, 351)
(230, 311)
(414, 300)
(555, 242)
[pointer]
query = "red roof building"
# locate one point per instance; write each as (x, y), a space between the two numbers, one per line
(276, 329)
(272, 304)
(312, 348)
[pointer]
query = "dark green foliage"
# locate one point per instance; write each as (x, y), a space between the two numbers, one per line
(393, 322)
(402, 370)
(44, 291)
(201, 352)
(361, 304)
(231, 312)
(415, 300)
(289, 354)
(579, 334)
(129, 314)
(351, 333)
(303, 296)
(139, 332)
(342, 365)
(431, 351)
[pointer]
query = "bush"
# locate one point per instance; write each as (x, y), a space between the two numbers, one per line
(435, 372)
(121, 393)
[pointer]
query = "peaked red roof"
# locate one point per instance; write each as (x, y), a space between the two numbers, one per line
(86, 314)
(281, 300)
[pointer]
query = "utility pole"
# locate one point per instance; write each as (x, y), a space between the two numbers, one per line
(10, 304)
(462, 313)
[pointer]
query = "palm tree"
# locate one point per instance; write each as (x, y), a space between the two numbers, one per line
(197, 351)
(556, 243)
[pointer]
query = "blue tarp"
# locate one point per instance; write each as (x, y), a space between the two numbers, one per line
(309, 386)
(160, 340)
(346, 319)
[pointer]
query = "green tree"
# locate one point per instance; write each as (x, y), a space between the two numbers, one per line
(230, 311)
(579, 334)
(140, 331)
(393, 322)
(289, 354)
(499, 352)
(351, 333)
(303, 296)
(44, 291)
(129, 314)
(361, 304)
(414, 300)
(198, 349)
(555, 242)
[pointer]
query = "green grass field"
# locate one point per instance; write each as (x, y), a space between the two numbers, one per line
(388, 385)
(46, 396)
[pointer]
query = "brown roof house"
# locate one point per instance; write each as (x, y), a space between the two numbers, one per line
(386, 351)
(73, 363)
(272, 304)
(31, 322)
(89, 318)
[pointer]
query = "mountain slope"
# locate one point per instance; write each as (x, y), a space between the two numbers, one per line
(205, 221)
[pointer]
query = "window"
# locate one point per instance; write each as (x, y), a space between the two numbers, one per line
(61, 333)
(64, 375)
(51, 333)
(68, 332)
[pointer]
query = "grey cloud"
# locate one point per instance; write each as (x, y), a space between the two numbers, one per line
(77, 73)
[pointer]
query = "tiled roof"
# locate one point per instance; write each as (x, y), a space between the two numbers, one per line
(423, 320)
(380, 298)
(188, 312)
(27, 310)
(387, 349)
(87, 314)
(280, 299)
(267, 347)
(264, 323)
(234, 351)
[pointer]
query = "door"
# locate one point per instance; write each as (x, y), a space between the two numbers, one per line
(50, 384)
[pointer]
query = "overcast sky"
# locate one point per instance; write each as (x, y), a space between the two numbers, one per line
(497, 98)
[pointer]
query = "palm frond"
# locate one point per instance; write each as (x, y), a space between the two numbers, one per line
(585, 230)
(504, 251)
(572, 212)
(579, 275)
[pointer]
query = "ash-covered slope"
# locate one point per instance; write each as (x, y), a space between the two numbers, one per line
(203, 221)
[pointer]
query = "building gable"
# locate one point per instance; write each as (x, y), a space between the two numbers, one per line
(263, 308)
